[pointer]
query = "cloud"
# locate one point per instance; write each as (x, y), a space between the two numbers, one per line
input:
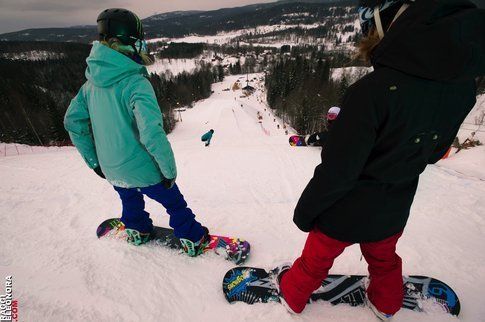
(56, 6)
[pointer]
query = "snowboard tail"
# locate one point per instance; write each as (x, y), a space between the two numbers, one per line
(421, 293)
(249, 285)
(233, 249)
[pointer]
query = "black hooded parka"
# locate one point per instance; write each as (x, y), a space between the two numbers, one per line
(395, 121)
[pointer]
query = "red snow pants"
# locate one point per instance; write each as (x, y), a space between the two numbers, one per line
(385, 290)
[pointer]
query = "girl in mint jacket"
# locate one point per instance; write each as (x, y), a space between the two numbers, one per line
(116, 125)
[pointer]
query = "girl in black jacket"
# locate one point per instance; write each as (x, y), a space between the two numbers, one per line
(394, 122)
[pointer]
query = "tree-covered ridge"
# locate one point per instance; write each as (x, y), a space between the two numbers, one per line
(34, 94)
(179, 50)
(208, 22)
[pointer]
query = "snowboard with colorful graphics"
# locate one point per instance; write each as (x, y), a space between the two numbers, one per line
(297, 140)
(423, 294)
(233, 249)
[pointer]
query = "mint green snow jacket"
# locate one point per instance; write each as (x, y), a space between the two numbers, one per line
(115, 122)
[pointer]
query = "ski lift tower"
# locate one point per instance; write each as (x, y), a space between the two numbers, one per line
(180, 110)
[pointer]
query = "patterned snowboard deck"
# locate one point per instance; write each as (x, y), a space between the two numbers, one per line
(233, 249)
(423, 294)
(297, 140)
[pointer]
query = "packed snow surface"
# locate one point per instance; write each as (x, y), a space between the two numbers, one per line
(246, 184)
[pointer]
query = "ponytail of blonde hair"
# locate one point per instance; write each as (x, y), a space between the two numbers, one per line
(367, 45)
(116, 44)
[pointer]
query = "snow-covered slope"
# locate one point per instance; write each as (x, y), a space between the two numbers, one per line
(225, 37)
(475, 121)
(174, 66)
(275, 36)
(246, 184)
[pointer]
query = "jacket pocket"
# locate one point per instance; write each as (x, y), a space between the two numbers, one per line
(419, 149)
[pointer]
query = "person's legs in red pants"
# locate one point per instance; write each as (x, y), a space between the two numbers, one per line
(385, 290)
(308, 272)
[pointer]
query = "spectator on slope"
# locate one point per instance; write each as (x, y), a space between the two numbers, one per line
(207, 137)
(394, 122)
(319, 139)
(116, 124)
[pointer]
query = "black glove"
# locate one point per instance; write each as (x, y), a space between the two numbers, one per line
(168, 183)
(99, 172)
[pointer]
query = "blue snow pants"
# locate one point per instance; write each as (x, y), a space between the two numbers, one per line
(182, 219)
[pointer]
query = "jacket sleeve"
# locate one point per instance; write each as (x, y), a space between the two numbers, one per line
(78, 124)
(343, 157)
(143, 102)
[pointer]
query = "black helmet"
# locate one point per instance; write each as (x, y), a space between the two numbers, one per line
(120, 23)
(387, 10)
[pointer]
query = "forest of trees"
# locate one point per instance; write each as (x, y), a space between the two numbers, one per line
(300, 90)
(34, 94)
(183, 90)
(180, 50)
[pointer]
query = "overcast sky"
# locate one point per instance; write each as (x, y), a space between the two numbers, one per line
(22, 14)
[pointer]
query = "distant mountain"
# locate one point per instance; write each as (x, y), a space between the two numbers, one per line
(168, 15)
(182, 23)
(309, 1)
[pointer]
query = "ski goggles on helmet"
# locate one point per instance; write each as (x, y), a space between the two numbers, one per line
(139, 45)
(366, 14)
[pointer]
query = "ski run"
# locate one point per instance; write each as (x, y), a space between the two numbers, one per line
(246, 184)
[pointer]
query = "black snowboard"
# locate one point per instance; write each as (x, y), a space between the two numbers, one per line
(317, 139)
(253, 285)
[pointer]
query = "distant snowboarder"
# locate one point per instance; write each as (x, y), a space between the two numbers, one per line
(207, 137)
(116, 125)
(319, 139)
(394, 122)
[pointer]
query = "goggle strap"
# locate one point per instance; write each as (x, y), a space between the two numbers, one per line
(399, 13)
(377, 18)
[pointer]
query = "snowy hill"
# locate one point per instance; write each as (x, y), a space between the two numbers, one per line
(246, 184)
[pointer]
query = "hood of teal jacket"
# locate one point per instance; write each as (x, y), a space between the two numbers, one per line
(106, 66)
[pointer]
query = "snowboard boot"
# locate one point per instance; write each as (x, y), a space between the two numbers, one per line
(194, 249)
(137, 238)
(277, 274)
(380, 315)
